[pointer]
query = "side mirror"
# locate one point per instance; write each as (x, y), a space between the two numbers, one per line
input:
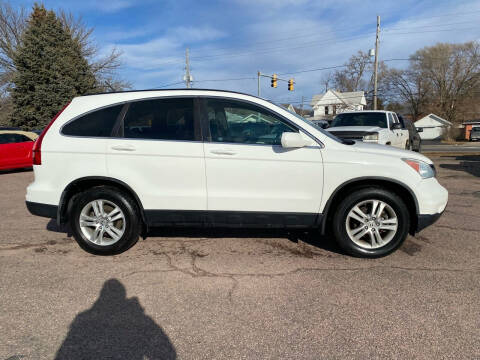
(396, 126)
(419, 129)
(293, 140)
(325, 125)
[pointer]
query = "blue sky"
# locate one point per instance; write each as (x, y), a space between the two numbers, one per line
(235, 38)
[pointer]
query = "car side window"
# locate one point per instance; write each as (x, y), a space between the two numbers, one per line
(22, 138)
(160, 119)
(97, 123)
(232, 121)
(13, 138)
(5, 139)
(390, 121)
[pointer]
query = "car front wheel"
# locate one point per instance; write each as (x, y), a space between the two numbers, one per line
(371, 222)
(105, 221)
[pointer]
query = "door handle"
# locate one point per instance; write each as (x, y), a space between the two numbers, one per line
(223, 152)
(123, 148)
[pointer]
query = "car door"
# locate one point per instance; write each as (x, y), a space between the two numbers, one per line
(396, 134)
(6, 156)
(159, 153)
(251, 179)
(402, 133)
(24, 150)
(15, 150)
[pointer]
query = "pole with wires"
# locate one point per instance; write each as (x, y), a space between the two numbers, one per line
(188, 78)
(375, 70)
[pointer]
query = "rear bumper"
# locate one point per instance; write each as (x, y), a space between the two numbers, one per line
(424, 221)
(43, 210)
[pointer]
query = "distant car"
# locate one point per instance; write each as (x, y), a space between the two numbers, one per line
(321, 123)
(373, 126)
(16, 149)
(414, 142)
(475, 134)
(38, 132)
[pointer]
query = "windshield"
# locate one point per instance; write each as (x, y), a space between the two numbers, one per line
(326, 133)
(361, 119)
(476, 129)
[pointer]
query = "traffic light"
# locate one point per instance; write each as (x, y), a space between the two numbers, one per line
(290, 85)
(274, 81)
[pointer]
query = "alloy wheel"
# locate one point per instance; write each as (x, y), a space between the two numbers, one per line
(102, 222)
(371, 224)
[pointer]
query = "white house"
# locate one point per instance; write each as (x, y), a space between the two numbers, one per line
(433, 127)
(333, 102)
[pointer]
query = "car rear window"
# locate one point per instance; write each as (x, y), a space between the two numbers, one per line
(97, 123)
(360, 119)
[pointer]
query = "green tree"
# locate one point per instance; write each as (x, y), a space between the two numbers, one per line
(50, 70)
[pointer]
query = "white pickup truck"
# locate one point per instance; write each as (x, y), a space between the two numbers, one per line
(378, 126)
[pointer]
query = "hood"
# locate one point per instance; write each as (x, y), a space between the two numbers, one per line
(355, 128)
(388, 150)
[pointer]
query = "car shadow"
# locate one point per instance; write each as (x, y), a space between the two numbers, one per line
(54, 227)
(311, 237)
(468, 163)
(13, 171)
(115, 327)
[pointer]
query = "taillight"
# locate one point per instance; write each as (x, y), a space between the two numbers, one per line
(37, 145)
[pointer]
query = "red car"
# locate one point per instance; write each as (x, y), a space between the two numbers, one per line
(16, 149)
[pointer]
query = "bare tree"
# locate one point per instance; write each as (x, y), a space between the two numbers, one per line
(326, 80)
(453, 74)
(405, 86)
(352, 78)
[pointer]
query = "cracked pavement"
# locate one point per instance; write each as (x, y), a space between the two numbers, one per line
(223, 294)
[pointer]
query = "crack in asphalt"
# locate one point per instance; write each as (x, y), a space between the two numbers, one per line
(196, 271)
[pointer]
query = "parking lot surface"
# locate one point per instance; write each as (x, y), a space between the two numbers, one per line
(223, 294)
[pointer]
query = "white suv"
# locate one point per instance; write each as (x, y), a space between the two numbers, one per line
(114, 165)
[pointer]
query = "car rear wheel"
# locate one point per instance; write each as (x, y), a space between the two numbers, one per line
(371, 222)
(105, 221)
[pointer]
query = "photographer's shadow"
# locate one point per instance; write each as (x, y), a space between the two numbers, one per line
(115, 328)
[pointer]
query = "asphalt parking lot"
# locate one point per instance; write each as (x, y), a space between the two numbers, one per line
(201, 294)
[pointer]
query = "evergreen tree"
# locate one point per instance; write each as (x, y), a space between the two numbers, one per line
(50, 70)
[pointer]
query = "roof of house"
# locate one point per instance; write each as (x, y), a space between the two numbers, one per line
(348, 98)
(434, 118)
(471, 122)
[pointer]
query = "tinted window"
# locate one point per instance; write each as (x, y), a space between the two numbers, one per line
(238, 122)
(360, 119)
(13, 138)
(97, 123)
(163, 119)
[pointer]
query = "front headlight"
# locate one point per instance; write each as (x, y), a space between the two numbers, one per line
(422, 168)
(371, 137)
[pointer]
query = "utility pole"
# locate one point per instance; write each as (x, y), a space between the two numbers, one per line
(301, 108)
(258, 82)
(375, 73)
(188, 78)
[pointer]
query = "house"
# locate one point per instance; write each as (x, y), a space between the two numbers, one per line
(290, 108)
(468, 127)
(326, 106)
(433, 127)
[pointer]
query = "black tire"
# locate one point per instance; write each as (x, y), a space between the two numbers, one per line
(370, 193)
(124, 202)
(408, 146)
